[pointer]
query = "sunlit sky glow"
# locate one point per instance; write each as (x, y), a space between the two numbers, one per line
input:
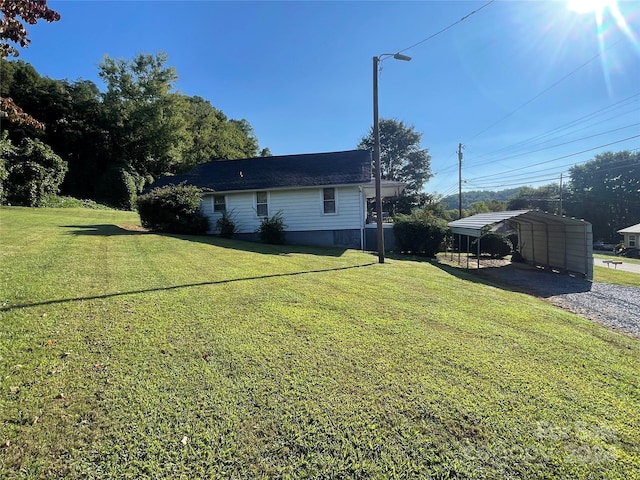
(529, 87)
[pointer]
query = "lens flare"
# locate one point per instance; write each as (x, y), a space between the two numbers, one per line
(607, 16)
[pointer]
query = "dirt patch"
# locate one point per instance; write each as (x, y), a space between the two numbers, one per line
(130, 227)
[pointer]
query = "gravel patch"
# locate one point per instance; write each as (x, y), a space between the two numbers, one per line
(615, 306)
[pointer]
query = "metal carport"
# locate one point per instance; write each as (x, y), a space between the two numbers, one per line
(545, 240)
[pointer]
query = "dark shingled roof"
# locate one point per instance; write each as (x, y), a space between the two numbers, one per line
(261, 173)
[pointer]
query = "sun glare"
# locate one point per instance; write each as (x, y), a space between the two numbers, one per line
(607, 15)
(589, 6)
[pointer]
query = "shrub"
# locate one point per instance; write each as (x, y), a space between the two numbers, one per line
(271, 229)
(419, 233)
(57, 201)
(227, 225)
(32, 172)
(6, 150)
(494, 244)
(173, 209)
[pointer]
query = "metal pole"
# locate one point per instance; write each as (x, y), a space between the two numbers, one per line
(376, 159)
(467, 252)
(560, 212)
(459, 180)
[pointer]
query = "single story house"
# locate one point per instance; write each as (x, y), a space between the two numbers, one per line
(631, 236)
(321, 196)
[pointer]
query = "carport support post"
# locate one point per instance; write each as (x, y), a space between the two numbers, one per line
(459, 247)
(467, 251)
(479, 253)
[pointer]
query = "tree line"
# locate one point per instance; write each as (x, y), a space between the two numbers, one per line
(114, 143)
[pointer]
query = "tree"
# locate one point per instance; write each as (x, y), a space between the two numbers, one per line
(33, 171)
(545, 198)
(401, 157)
(606, 192)
(75, 118)
(15, 13)
(211, 136)
(146, 125)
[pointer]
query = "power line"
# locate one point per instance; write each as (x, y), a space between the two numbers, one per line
(559, 144)
(446, 28)
(560, 158)
(529, 179)
(565, 126)
(546, 89)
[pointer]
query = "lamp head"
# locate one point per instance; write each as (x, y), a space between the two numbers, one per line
(399, 56)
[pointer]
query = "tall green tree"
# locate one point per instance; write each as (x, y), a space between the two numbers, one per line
(401, 156)
(606, 192)
(212, 136)
(147, 129)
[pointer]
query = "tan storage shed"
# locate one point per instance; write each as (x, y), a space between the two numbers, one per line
(550, 241)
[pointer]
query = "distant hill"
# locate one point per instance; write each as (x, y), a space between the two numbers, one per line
(451, 201)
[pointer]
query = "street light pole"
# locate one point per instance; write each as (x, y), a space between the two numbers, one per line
(376, 161)
(376, 149)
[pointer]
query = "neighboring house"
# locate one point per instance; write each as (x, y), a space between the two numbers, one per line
(321, 196)
(631, 236)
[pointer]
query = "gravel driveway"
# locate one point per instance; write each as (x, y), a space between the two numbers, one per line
(615, 306)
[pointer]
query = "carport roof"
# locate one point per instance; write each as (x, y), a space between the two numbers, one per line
(476, 225)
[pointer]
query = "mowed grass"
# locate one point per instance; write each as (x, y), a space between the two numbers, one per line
(132, 355)
(617, 277)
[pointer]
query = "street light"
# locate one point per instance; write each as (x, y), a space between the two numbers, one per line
(376, 148)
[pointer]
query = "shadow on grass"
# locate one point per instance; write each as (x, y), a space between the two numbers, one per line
(521, 278)
(110, 230)
(177, 287)
(514, 277)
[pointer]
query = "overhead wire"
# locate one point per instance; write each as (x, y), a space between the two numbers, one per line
(553, 85)
(561, 157)
(565, 126)
(560, 128)
(530, 179)
(529, 152)
(446, 28)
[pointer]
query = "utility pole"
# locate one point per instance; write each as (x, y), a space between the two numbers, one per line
(460, 147)
(561, 194)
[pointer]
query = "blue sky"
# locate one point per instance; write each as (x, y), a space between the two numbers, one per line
(518, 82)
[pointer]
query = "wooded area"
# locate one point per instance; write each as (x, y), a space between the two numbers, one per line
(114, 143)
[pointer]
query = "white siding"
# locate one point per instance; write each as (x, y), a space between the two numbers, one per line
(302, 209)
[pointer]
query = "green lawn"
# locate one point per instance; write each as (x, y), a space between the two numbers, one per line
(618, 277)
(133, 355)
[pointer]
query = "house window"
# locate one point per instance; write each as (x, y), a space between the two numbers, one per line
(219, 203)
(262, 205)
(329, 200)
(632, 240)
